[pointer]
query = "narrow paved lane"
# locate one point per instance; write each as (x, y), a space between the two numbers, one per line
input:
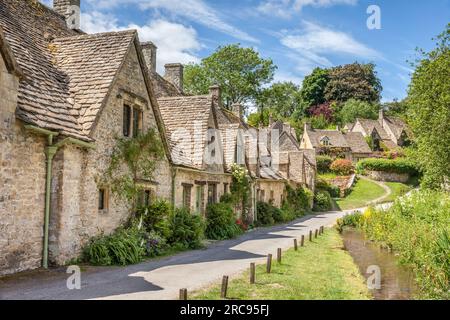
(162, 279)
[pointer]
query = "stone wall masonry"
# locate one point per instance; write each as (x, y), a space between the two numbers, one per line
(80, 173)
(388, 176)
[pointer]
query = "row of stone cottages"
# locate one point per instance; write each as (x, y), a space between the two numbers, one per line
(64, 98)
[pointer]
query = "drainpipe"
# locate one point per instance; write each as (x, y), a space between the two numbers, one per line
(174, 177)
(50, 152)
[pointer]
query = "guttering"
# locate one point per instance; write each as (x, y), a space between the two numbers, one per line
(50, 152)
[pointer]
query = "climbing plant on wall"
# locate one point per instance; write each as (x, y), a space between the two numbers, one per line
(240, 188)
(134, 160)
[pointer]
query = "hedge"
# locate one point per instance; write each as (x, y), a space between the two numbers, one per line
(323, 163)
(387, 165)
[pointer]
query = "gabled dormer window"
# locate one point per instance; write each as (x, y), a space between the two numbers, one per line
(325, 141)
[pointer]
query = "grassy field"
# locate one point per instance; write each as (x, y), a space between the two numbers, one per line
(328, 176)
(363, 192)
(398, 190)
(319, 271)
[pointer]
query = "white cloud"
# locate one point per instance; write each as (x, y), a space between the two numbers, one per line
(286, 8)
(311, 44)
(195, 10)
(281, 76)
(176, 43)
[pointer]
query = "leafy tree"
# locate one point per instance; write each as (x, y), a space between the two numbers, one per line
(324, 110)
(353, 109)
(240, 72)
(357, 81)
(282, 99)
(429, 112)
(260, 117)
(313, 88)
(396, 108)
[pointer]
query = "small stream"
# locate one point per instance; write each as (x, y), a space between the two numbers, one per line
(397, 282)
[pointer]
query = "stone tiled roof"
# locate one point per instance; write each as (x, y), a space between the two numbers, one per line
(396, 125)
(368, 125)
(162, 87)
(90, 63)
(357, 142)
(337, 139)
(66, 74)
(186, 116)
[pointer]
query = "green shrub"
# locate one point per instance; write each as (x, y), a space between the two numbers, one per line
(322, 201)
(324, 185)
(297, 201)
(156, 245)
(187, 230)
(342, 167)
(264, 214)
(125, 246)
(350, 220)
(155, 217)
(417, 228)
(324, 163)
(387, 165)
(221, 222)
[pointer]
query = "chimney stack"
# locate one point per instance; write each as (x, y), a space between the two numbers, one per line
(174, 74)
(149, 50)
(216, 94)
(237, 110)
(307, 126)
(381, 117)
(70, 9)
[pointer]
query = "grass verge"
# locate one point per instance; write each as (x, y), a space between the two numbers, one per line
(321, 270)
(363, 192)
(398, 189)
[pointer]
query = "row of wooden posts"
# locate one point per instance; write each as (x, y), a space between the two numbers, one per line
(224, 289)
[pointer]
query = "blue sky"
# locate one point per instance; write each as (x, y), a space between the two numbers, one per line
(297, 34)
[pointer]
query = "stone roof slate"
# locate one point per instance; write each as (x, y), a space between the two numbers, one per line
(186, 115)
(337, 139)
(66, 74)
(357, 142)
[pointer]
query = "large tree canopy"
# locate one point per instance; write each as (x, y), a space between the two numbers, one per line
(353, 81)
(313, 87)
(353, 109)
(240, 72)
(429, 113)
(281, 99)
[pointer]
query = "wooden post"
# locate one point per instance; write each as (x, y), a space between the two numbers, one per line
(183, 294)
(316, 233)
(223, 292)
(310, 235)
(322, 229)
(303, 241)
(295, 245)
(269, 263)
(252, 273)
(279, 255)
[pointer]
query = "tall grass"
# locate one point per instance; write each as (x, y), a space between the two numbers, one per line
(417, 228)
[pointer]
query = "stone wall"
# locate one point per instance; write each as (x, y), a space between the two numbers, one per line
(388, 176)
(196, 179)
(79, 173)
(22, 185)
(275, 188)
